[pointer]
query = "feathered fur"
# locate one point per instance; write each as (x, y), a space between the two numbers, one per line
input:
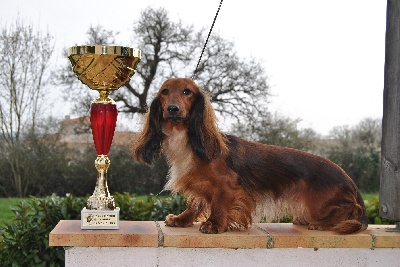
(232, 181)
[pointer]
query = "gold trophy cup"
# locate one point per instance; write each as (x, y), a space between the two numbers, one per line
(102, 68)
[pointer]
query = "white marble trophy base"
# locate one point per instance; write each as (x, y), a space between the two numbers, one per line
(100, 219)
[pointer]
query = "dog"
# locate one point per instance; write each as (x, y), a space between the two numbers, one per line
(232, 182)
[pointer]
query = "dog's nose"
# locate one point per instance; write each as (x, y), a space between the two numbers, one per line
(173, 109)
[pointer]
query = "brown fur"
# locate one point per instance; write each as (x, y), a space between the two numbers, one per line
(232, 181)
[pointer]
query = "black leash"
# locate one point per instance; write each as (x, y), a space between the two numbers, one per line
(205, 44)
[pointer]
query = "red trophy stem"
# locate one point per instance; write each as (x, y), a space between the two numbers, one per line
(103, 119)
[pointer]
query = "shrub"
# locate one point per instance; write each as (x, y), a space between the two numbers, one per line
(134, 209)
(372, 207)
(172, 204)
(152, 208)
(25, 241)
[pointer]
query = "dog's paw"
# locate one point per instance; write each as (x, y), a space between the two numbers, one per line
(312, 227)
(208, 227)
(170, 220)
(177, 221)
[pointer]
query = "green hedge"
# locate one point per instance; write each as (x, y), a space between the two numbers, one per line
(371, 202)
(25, 241)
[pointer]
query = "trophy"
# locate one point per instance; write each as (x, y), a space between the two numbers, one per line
(102, 68)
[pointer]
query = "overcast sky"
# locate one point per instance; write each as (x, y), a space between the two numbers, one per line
(324, 59)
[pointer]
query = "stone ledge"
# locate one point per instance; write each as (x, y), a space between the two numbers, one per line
(68, 233)
(263, 235)
(287, 235)
(191, 237)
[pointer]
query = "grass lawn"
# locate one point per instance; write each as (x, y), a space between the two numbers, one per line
(6, 215)
(6, 204)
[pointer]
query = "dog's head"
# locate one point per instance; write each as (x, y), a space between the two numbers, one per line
(180, 104)
(178, 97)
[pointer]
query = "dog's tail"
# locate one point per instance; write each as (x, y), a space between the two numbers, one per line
(351, 226)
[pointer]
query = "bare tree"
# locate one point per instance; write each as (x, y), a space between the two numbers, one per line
(166, 48)
(24, 63)
(74, 91)
(98, 35)
(238, 86)
(357, 150)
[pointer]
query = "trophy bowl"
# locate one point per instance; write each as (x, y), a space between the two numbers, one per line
(103, 68)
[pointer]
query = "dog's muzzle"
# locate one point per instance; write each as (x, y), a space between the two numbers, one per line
(173, 113)
(173, 109)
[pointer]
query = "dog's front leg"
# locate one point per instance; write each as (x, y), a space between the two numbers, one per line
(187, 217)
(230, 209)
(218, 221)
(214, 225)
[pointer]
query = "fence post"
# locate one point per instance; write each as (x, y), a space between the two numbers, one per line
(389, 194)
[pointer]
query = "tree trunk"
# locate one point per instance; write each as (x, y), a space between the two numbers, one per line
(17, 177)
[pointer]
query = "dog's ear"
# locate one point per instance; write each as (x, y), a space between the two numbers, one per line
(195, 126)
(148, 146)
(206, 140)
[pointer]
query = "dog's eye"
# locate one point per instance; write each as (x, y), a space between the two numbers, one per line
(164, 92)
(187, 91)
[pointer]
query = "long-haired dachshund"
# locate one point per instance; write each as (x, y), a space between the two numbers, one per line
(232, 182)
